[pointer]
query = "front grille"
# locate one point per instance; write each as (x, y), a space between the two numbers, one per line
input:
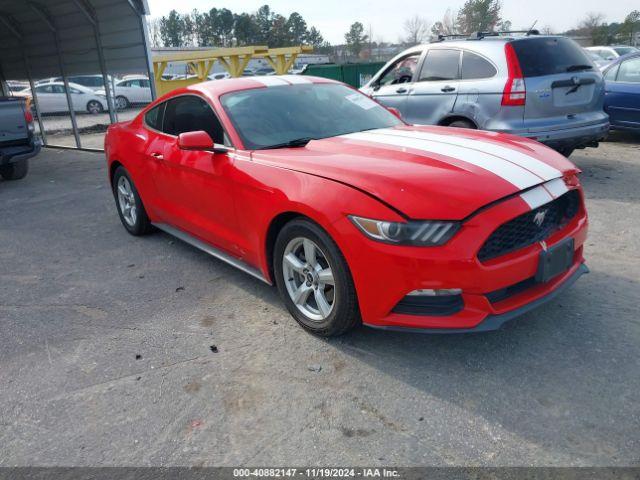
(523, 231)
(440, 306)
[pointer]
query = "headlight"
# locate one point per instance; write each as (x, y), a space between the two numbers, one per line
(424, 233)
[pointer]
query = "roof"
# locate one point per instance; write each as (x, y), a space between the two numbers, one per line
(217, 88)
(31, 26)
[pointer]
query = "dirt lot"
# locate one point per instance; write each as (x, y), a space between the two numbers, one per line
(105, 351)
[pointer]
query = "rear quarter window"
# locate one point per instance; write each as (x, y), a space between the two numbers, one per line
(475, 67)
(548, 56)
(153, 118)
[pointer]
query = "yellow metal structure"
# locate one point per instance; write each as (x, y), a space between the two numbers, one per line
(233, 60)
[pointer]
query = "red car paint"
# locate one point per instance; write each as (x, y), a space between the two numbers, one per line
(231, 200)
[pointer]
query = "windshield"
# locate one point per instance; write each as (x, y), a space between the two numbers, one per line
(624, 50)
(265, 117)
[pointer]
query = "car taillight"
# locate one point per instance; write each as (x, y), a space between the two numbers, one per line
(28, 116)
(515, 91)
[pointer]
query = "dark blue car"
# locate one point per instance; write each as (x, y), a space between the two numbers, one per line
(622, 92)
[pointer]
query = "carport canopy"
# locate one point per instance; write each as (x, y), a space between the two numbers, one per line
(51, 38)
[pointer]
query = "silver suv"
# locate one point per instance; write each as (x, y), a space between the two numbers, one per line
(541, 87)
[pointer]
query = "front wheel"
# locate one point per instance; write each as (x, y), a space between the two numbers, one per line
(313, 279)
(122, 102)
(130, 208)
(94, 107)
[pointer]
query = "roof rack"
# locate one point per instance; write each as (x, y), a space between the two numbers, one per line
(481, 35)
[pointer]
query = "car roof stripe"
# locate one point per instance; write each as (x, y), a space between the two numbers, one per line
(535, 166)
(508, 171)
(536, 197)
(269, 81)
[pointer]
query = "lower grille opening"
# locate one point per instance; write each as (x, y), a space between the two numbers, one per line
(437, 306)
(510, 291)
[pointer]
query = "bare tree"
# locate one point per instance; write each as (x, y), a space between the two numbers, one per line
(592, 25)
(416, 29)
(447, 26)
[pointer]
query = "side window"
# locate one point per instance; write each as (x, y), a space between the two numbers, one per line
(44, 89)
(610, 76)
(74, 91)
(145, 83)
(57, 88)
(190, 113)
(124, 84)
(440, 64)
(153, 118)
(474, 66)
(400, 72)
(630, 71)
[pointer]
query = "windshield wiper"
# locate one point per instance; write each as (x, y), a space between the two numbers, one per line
(575, 68)
(296, 142)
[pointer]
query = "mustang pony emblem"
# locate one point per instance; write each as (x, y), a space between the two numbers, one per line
(538, 219)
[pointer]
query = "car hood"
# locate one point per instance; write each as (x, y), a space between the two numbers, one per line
(435, 173)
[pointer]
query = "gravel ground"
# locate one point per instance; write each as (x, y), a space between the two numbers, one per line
(106, 351)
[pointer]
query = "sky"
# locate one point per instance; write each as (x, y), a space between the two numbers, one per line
(385, 18)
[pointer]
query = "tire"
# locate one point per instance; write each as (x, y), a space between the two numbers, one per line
(134, 218)
(94, 107)
(462, 124)
(344, 313)
(122, 102)
(566, 151)
(15, 170)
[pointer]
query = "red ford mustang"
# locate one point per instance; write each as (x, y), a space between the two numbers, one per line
(353, 214)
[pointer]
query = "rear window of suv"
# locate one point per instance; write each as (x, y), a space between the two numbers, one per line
(550, 56)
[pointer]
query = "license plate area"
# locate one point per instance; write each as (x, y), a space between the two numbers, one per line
(555, 260)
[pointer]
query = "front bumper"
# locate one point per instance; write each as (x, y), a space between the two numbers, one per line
(496, 322)
(384, 274)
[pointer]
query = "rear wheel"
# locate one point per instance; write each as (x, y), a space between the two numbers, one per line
(566, 151)
(130, 208)
(122, 102)
(314, 280)
(15, 170)
(462, 124)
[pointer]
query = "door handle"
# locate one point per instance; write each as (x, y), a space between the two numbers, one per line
(401, 90)
(448, 89)
(157, 156)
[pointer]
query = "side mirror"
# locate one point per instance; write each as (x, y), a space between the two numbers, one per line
(395, 111)
(199, 140)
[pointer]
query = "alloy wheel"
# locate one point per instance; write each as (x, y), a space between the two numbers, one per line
(309, 279)
(127, 201)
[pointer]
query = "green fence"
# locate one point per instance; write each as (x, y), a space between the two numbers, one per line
(355, 74)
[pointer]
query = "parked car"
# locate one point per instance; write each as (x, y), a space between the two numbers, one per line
(622, 87)
(132, 91)
(92, 82)
(18, 142)
(264, 71)
(14, 86)
(360, 218)
(52, 98)
(600, 62)
(541, 87)
(610, 53)
(219, 76)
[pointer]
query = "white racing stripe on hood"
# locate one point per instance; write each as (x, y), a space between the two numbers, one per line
(541, 169)
(544, 193)
(268, 81)
(536, 197)
(512, 173)
(556, 187)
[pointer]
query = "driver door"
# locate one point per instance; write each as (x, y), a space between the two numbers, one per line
(393, 86)
(196, 185)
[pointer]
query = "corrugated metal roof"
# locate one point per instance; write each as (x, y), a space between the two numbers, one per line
(25, 25)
